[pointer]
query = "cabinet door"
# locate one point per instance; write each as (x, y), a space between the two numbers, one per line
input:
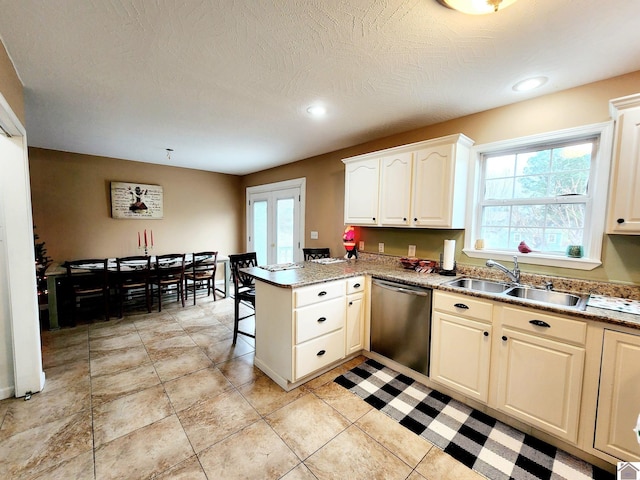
(619, 396)
(540, 382)
(624, 215)
(395, 189)
(361, 192)
(355, 323)
(461, 354)
(433, 186)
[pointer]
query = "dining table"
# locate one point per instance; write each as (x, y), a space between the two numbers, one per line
(57, 271)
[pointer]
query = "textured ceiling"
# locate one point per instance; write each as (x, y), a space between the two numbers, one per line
(226, 83)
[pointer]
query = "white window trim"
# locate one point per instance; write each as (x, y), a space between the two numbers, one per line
(597, 190)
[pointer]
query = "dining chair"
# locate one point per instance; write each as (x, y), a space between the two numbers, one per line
(315, 253)
(88, 278)
(201, 273)
(169, 272)
(133, 278)
(244, 289)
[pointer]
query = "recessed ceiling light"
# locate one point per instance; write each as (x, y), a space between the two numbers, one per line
(530, 84)
(316, 110)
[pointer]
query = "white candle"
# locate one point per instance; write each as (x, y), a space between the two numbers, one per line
(447, 257)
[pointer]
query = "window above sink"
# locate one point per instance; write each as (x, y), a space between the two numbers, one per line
(548, 190)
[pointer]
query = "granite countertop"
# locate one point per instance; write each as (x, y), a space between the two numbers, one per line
(309, 273)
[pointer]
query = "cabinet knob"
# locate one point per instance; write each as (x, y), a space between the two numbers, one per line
(461, 305)
(320, 353)
(322, 293)
(374, 219)
(356, 285)
(620, 220)
(486, 334)
(350, 303)
(504, 338)
(322, 319)
(404, 219)
(415, 219)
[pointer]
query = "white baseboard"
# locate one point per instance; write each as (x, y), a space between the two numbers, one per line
(7, 392)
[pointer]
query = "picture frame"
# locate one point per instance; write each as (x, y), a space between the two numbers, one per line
(136, 201)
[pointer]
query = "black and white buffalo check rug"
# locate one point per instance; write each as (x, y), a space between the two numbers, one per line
(491, 448)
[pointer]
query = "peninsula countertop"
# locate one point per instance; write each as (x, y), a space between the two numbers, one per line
(308, 273)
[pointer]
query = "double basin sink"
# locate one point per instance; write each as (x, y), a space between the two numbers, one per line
(535, 295)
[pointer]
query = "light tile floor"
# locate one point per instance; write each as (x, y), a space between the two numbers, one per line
(166, 395)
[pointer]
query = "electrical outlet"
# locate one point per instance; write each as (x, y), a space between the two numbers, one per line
(381, 248)
(314, 235)
(412, 250)
(361, 246)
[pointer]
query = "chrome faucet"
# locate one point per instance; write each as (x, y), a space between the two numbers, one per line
(514, 275)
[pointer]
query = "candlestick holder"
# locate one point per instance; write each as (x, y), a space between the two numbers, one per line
(443, 271)
(146, 249)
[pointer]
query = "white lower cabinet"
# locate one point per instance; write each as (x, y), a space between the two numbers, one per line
(355, 315)
(540, 366)
(461, 344)
(527, 364)
(304, 330)
(619, 396)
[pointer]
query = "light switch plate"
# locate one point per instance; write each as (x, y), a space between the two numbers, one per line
(412, 251)
(361, 246)
(381, 248)
(314, 235)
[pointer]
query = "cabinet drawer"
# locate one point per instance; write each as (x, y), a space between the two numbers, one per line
(318, 319)
(355, 285)
(318, 353)
(318, 293)
(463, 305)
(549, 326)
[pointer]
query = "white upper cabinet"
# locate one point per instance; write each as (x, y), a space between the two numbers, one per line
(361, 191)
(422, 184)
(395, 197)
(440, 184)
(624, 194)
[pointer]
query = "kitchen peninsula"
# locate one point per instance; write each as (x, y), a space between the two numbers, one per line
(304, 327)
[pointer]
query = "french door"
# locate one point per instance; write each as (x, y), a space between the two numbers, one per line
(275, 221)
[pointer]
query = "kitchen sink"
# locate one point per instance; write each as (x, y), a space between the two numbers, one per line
(479, 285)
(521, 292)
(548, 296)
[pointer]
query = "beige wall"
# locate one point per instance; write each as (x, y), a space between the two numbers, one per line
(72, 212)
(10, 85)
(575, 107)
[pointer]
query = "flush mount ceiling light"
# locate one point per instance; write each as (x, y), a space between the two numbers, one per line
(316, 110)
(477, 7)
(530, 84)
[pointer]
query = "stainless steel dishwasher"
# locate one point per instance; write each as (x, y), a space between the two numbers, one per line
(401, 323)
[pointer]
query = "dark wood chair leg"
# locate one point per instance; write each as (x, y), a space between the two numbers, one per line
(236, 321)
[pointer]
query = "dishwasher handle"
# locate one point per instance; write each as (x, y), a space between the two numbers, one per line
(396, 287)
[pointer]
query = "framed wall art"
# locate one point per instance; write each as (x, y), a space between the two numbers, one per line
(136, 200)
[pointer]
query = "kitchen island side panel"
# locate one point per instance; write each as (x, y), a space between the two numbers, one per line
(274, 328)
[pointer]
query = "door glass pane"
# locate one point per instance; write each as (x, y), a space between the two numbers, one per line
(260, 230)
(284, 230)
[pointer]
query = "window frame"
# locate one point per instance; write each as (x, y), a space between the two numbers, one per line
(596, 203)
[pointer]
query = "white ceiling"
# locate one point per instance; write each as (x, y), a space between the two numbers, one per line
(226, 83)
